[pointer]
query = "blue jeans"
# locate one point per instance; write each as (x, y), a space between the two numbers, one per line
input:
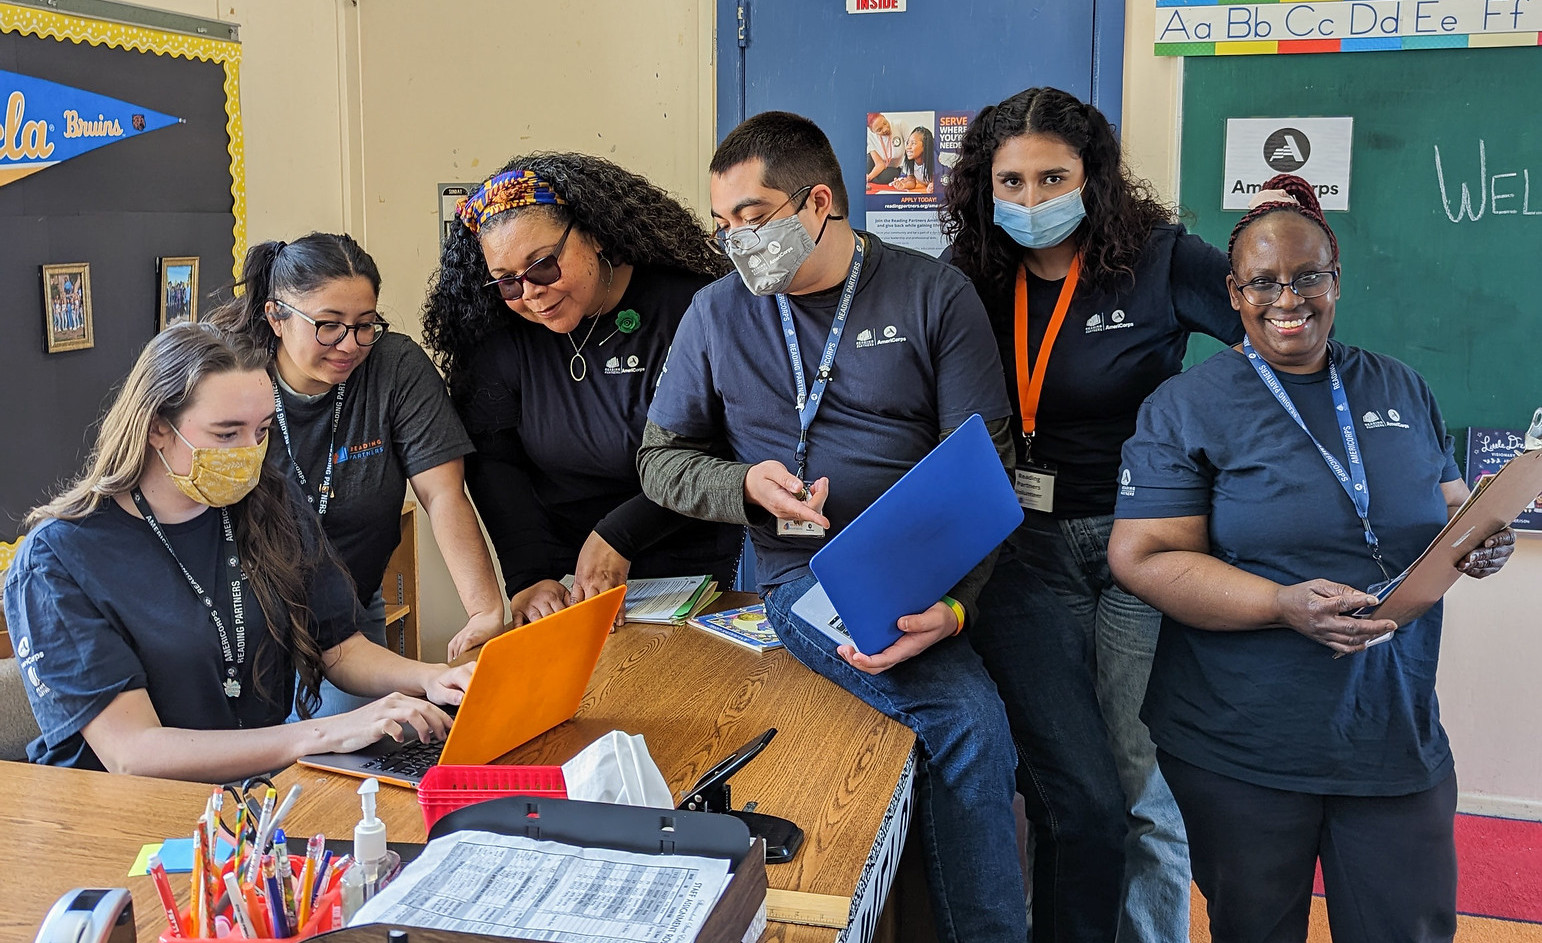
(1072, 557)
(334, 700)
(1036, 651)
(964, 782)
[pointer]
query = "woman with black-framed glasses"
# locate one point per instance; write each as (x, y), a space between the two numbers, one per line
(1266, 495)
(360, 411)
(555, 303)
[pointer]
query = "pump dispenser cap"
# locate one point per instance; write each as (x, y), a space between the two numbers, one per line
(369, 836)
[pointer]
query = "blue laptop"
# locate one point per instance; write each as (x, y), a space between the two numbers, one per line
(917, 540)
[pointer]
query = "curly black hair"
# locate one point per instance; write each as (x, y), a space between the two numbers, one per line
(633, 222)
(1121, 209)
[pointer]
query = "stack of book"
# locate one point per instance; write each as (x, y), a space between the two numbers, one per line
(747, 626)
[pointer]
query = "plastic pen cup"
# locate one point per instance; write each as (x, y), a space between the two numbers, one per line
(325, 916)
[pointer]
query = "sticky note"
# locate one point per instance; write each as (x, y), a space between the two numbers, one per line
(177, 855)
(141, 864)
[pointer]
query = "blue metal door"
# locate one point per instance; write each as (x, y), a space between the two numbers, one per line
(814, 58)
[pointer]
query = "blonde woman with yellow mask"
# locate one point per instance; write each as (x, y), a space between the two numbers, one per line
(174, 602)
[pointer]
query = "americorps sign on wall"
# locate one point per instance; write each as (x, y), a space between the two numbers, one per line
(1317, 149)
(45, 123)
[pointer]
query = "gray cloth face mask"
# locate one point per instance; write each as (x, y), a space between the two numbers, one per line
(769, 267)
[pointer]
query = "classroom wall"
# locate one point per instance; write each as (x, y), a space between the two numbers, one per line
(354, 112)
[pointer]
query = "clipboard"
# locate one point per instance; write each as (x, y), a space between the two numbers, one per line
(1496, 502)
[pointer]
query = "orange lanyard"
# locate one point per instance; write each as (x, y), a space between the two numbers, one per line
(1029, 386)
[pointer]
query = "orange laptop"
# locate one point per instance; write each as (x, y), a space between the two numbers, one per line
(528, 680)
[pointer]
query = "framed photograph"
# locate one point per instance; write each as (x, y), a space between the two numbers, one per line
(67, 306)
(179, 291)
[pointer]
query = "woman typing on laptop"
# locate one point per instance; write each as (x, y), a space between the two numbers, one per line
(163, 605)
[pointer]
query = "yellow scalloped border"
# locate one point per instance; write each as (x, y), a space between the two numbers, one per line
(30, 21)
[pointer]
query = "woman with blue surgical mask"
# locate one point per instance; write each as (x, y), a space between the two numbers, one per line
(1093, 289)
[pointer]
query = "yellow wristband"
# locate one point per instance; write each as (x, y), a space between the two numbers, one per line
(958, 611)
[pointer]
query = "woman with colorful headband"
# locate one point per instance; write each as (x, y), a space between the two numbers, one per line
(1265, 491)
(554, 306)
(359, 412)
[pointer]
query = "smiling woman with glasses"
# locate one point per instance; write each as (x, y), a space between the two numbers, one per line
(359, 412)
(1266, 495)
(555, 303)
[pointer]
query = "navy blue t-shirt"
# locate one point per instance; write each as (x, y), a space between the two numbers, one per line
(1113, 350)
(557, 458)
(916, 357)
(1272, 707)
(97, 607)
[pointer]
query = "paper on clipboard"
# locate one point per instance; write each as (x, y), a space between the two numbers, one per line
(1491, 506)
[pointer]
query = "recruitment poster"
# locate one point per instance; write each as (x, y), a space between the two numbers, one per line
(909, 156)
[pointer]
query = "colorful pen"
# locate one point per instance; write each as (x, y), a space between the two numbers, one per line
(275, 897)
(168, 899)
(284, 867)
(199, 907)
(322, 874)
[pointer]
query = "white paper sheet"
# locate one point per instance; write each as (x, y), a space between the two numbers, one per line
(504, 885)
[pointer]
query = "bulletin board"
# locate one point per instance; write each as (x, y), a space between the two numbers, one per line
(1440, 242)
(178, 191)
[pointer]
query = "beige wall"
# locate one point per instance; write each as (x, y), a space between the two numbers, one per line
(354, 112)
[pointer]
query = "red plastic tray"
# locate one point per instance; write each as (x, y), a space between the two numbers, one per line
(447, 788)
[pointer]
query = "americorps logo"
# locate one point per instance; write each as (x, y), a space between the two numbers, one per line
(44, 123)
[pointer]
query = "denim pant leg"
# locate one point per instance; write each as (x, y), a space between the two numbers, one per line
(1039, 657)
(334, 700)
(964, 783)
(1072, 557)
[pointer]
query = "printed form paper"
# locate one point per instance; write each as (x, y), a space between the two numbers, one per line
(506, 885)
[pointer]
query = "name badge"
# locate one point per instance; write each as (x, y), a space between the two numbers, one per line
(798, 529)
(1035, 486)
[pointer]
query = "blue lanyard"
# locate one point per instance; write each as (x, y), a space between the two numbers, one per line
(809, 400)
(1352, 479)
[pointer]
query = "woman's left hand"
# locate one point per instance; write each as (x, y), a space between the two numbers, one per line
(446, 685)
(599, 568)
(1487, 559)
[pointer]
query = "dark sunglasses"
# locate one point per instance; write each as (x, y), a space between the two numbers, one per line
(543, 271)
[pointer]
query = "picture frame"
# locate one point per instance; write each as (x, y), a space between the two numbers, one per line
(67, 307)
(178, 296)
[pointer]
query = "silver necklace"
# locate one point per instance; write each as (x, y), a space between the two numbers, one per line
(578, 367)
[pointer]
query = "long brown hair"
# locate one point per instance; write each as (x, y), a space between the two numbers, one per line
(278, 556)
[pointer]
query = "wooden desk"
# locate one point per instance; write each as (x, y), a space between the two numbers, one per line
(833, 769)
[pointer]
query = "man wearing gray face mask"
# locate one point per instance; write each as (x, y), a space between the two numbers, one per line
(823, 371)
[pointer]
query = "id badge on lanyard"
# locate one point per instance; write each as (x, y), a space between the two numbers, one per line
(1035, 481)
(809, 400)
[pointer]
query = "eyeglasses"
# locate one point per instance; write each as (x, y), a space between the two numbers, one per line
(1262, 291)
(746, 238)
(543, 271)
(331, 333)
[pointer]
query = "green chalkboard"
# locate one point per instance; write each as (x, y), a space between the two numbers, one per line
(1459, 301)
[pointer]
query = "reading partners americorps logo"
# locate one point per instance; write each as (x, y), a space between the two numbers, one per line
(617, 366)
(1125, 488)
(1287, 150)
(890, 335)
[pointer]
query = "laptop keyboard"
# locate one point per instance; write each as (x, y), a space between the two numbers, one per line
(414, 759)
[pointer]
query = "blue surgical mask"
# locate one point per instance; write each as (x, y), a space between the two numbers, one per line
(1042, 226)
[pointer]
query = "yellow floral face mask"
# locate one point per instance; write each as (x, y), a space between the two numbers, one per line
(218, 477)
